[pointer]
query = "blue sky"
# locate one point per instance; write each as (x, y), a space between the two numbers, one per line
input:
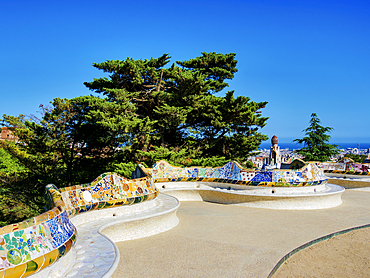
(300, 56)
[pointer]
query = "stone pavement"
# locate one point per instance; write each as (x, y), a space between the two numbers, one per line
(95, 255)
(214, 240)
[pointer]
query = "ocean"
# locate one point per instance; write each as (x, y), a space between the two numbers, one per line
(294, 146)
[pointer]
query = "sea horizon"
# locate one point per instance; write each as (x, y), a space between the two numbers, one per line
(295, 146)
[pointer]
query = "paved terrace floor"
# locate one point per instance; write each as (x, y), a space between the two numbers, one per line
(214, 240)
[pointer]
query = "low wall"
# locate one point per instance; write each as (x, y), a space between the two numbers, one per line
(32, 245)
(278, 198)
(350, 168)
(232, 173)
(298, 189)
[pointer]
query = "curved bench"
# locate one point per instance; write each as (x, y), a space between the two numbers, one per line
(304, 188)
(39, 242)
(112, 208)
(95, 254)
(34, 244)
(108, 190)
(347, 167)
(326, 196)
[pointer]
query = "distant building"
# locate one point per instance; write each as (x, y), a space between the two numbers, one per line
(6, 134)
(367, 160)
(258, 161)
(274, 160)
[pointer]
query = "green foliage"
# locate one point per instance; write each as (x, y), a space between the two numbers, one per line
(177, 114)
(8, 164)
(206, 162)
(360, 158)
(316, 147)
(17, 200)
(124, 169)
(12, 210)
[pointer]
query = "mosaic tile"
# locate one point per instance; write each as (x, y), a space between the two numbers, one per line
(236, 175)
(345, 167)
(233, 173)
(34, 265)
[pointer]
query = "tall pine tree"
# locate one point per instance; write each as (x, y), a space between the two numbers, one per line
(316, 146)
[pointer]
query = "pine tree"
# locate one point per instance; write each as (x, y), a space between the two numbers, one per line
(316, 147)
(180, 109)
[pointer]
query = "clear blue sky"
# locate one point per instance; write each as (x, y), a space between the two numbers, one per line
(300, 56)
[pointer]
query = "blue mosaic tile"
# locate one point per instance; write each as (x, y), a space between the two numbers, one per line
(225, 171)
(263, 177)
(236, 173)
(61, 229)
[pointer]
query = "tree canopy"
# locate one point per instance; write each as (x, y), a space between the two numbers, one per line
(176, 108)
(316, 146)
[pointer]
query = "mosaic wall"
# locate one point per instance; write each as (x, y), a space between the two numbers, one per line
(232, 172)
(108, 190)
(346, 168)
(29, 246)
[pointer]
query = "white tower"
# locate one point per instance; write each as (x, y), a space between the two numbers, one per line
(274, 161)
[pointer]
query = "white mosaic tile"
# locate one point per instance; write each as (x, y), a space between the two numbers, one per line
(95, 254)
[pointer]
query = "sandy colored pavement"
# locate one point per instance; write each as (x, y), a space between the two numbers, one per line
(214, 240)
(347, 183)
(346, 255)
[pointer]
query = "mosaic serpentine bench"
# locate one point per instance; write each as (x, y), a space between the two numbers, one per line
(349, 167)
(37, 243)
(302, 188)
(102, 207)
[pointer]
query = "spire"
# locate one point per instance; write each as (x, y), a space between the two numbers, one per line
(274, 140)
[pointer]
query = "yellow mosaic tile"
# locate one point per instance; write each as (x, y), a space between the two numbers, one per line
(41, 218)
(50, 258)
(34, 266)
(7, 229)
(15, 272)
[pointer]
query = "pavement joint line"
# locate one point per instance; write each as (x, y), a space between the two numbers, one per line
(310, 243)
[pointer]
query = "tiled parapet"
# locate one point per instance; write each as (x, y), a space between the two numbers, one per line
(108, 190)
(351, 168)
(232, 172)
(30, 246)
(53, 197)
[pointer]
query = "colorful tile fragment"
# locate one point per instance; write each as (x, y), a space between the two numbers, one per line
(232, 172)
(350, 168)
